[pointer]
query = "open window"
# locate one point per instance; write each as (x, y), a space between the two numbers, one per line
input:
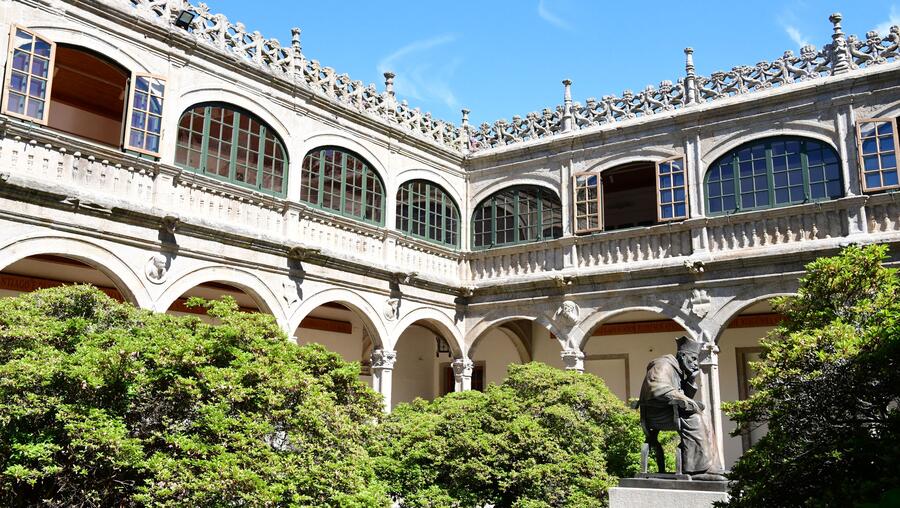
(80, 92)
(877, 143)
(622, 197)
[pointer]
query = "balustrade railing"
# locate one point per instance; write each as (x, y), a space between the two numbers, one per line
(634, 245)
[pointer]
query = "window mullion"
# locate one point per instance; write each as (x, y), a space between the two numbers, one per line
(204, 145)
(539, 230)
(364, 187)
(321, 190)
(804, 165)
(232, 156)
(427, 209)
(343, 204)
(770, 177)
(493, 221)
(262, 155)
(736, 177)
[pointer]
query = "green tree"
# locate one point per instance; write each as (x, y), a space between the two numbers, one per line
(102, 404)
(828, 387)
(544, 437)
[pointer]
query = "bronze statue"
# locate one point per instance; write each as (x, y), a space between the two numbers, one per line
(667, 403)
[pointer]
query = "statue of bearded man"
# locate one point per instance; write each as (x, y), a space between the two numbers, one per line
(673, 381)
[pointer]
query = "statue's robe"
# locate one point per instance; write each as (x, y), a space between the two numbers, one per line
(665, 382)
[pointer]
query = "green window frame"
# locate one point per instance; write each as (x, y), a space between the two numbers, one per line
(516, 215)
(426, 211)
(771, 173)
(231, 144)
(339, 181)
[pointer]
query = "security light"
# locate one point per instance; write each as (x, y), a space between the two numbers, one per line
(184, 18)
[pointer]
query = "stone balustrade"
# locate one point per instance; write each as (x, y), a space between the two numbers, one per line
(634, 245)
(883, 213)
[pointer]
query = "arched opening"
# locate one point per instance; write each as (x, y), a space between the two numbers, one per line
(341, 328)
(629, 195)
(514, 215)
(340, 181)
(426, 211)
(423, 368)
(88, 98)
(619, 349)
(511, 342)
(214, 290)
(738, 348)
(773, 172)
(46, 271)
(229, 143)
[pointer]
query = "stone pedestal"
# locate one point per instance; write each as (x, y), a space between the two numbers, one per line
(661, 493)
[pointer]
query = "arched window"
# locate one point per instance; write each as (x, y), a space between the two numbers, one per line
(773, 172)
(338, 180)
(517, 215)
(425, 210)
(232, 144)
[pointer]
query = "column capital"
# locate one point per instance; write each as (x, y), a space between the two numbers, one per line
(462, 367)
(383, 359)
(573, 359)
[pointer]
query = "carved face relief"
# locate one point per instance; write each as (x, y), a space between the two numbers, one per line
(289, 293)
(568, 312)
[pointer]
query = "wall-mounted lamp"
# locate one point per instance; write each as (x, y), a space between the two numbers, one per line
(184, 18)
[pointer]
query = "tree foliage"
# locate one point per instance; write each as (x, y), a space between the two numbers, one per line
(102, 404)
(544, 437)
(828, 388)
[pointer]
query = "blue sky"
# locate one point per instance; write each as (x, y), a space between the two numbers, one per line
(508, 57)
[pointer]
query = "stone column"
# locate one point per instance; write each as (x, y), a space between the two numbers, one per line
(710, 394)
(382, 372)
(573, 359)
(462, 373)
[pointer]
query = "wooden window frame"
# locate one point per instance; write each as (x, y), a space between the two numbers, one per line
(685, 186)
(264, 130)
(366, 193)
(859, 152)
(541, 195)
(44, 120)
(576, 202)
(447, 204)
(770, 175)
(130, 113)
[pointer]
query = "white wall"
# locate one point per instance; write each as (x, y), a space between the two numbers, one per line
(417, 370)
(496, 351)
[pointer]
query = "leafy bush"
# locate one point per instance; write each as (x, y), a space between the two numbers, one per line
(102, 404)
(544, 437)
(828, 387)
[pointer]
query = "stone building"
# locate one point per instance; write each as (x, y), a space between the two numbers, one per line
(160, 151)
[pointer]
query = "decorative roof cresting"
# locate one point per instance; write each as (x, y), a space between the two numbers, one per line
(842, 54)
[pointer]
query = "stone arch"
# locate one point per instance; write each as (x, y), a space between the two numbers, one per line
(549, 183)
(735, 140)
(89, 40)
(350, 299)
(649, 155)
(245, 280)
(127, 281)
(443, 323)
(431, 177)
(892, 109)
(229, 95)
(735, 307)
(340, 140)
(593, 321)
(478, 332)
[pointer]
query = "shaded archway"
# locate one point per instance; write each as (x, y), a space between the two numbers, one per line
(214, 290)
(619, 346)
(113, 272)
(43, 271)
(497, 343)
(739, 346)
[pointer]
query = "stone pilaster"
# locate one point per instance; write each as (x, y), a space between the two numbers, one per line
(710, 395)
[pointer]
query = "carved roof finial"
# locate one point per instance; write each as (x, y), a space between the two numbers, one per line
(389, 82)
(689, 61)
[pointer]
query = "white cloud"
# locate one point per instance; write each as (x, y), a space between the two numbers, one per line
(418, 76)
(893, 20)
(796, 36)
(551, 18)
